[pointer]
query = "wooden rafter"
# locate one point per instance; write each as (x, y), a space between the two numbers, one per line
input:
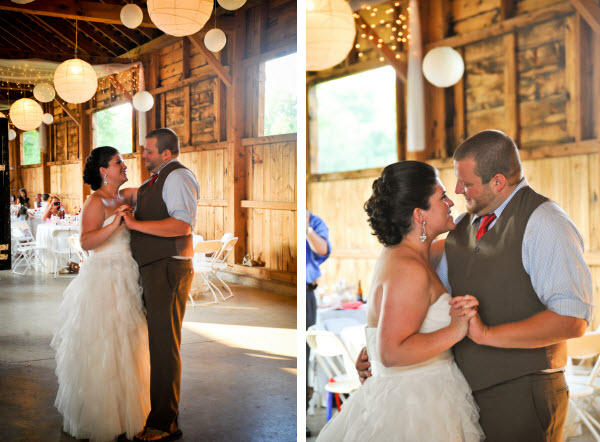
(15, 54)
(118, 85)
(101, 34)
(211, 59)
(26, 25)
(504, 27)
(68, 111)
(74, 10)
(590, 12)
(17, 34)
(385, 51)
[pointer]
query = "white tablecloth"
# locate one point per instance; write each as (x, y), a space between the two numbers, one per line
(44, 239)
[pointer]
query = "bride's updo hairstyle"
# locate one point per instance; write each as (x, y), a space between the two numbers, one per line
(401, 188)
(99, 157)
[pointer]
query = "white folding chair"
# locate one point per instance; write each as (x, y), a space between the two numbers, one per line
(60, 248)
(25, 249)
(333, 357)
(204, 268)
(583, 388)
(220, 263)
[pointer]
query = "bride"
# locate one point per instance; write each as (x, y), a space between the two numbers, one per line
(416, 391)
(102, 360)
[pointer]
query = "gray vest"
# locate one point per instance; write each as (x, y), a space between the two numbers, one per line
(150, 206)
(491, 270)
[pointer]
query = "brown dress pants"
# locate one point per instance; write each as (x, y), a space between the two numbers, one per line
(531, 408)
(166, 285)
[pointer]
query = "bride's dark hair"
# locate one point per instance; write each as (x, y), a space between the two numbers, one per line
(99, 157)
(400, 189)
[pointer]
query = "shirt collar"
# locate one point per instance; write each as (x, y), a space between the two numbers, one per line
(163, 166)
(501, 207)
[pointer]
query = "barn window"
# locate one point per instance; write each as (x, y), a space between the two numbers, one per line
(114, 127)
(356, 121)
(280, 96)
(31, 148)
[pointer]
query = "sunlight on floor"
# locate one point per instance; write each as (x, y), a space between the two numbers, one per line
(276, 341)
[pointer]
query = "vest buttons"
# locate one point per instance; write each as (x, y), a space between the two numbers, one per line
(476, 249)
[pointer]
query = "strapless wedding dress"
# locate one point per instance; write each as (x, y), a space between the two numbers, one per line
(430, 401)
(102, 359)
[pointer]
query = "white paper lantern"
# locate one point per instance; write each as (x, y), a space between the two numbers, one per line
(143, 101)
(330, 33)
(443, 66)
(231, 5)
(26, 114)
(21, 2)
(47, 118)
(180, 17)
(11, 134)
(215, 40)
(131, 15)
(75, 81)
(44, 92)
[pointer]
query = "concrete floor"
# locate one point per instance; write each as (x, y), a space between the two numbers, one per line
(239, 365)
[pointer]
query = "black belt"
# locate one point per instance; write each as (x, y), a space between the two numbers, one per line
(311, 286)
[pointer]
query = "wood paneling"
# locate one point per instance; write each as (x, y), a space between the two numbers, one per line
(33, 180)
(66, 181)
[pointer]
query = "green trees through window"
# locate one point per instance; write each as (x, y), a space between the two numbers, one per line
(280, 96)
(31, 148)
(114, 127)
(356, 118)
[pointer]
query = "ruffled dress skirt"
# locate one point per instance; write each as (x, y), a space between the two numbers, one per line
(102, 359)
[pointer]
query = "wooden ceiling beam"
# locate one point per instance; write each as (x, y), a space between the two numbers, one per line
(113, 79)
(67, 41)
(589, 11)
(102, 38)
(68, 111)
(75, 10)
(18, 54)
(17, 34)
(211, 59)
(19, 19)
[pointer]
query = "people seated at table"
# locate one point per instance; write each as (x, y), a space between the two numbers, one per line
(38, 201)
(55, 208)
(23, 214)
(14, 206)
(45, 198)
(23, 198)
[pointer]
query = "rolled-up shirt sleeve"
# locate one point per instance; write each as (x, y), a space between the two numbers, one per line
(180, 194)
(553, 258)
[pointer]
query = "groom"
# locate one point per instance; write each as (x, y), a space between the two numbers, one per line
(525, 266)
(161, 243)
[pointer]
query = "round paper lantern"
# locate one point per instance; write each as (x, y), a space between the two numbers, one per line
(143, 101)
(26, 114)
(21, 2)
(131, 15)
(215, 40)
(75, 81)
(11, 134)
(44, 92)
(47, 118)
(443, 66)
(180, 17)
(330, 33)
(231, 5)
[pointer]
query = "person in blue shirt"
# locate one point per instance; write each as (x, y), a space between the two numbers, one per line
(318, 249)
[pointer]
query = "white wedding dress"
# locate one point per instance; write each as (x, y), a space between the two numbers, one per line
(102, 359)
(430, 401)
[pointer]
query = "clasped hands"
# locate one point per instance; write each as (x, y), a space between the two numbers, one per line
(124, 214)
(465, 320)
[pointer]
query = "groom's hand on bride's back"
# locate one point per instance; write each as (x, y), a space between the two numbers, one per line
(363, 365)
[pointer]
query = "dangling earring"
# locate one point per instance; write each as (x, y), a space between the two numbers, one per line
(423, 236)
(105, 180)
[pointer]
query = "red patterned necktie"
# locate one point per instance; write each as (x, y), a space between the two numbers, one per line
(485, 223)
(153, 179)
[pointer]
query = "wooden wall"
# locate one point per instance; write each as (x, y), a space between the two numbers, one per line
(528, 72)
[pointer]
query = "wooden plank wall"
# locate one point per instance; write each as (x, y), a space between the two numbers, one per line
(531, 76)
(32, 180)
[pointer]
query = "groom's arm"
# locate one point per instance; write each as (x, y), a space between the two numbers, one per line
(167, 227)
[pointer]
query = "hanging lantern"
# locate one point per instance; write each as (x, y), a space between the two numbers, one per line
(47, 118)
(443, 66)
(21, 2)
(215, 40)
(44, 92)
(231, 5)
(330, 33)
(11, 134)
(26, 114)
(75, 81)
(180, 17)
(143, 101)
(131, 15)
